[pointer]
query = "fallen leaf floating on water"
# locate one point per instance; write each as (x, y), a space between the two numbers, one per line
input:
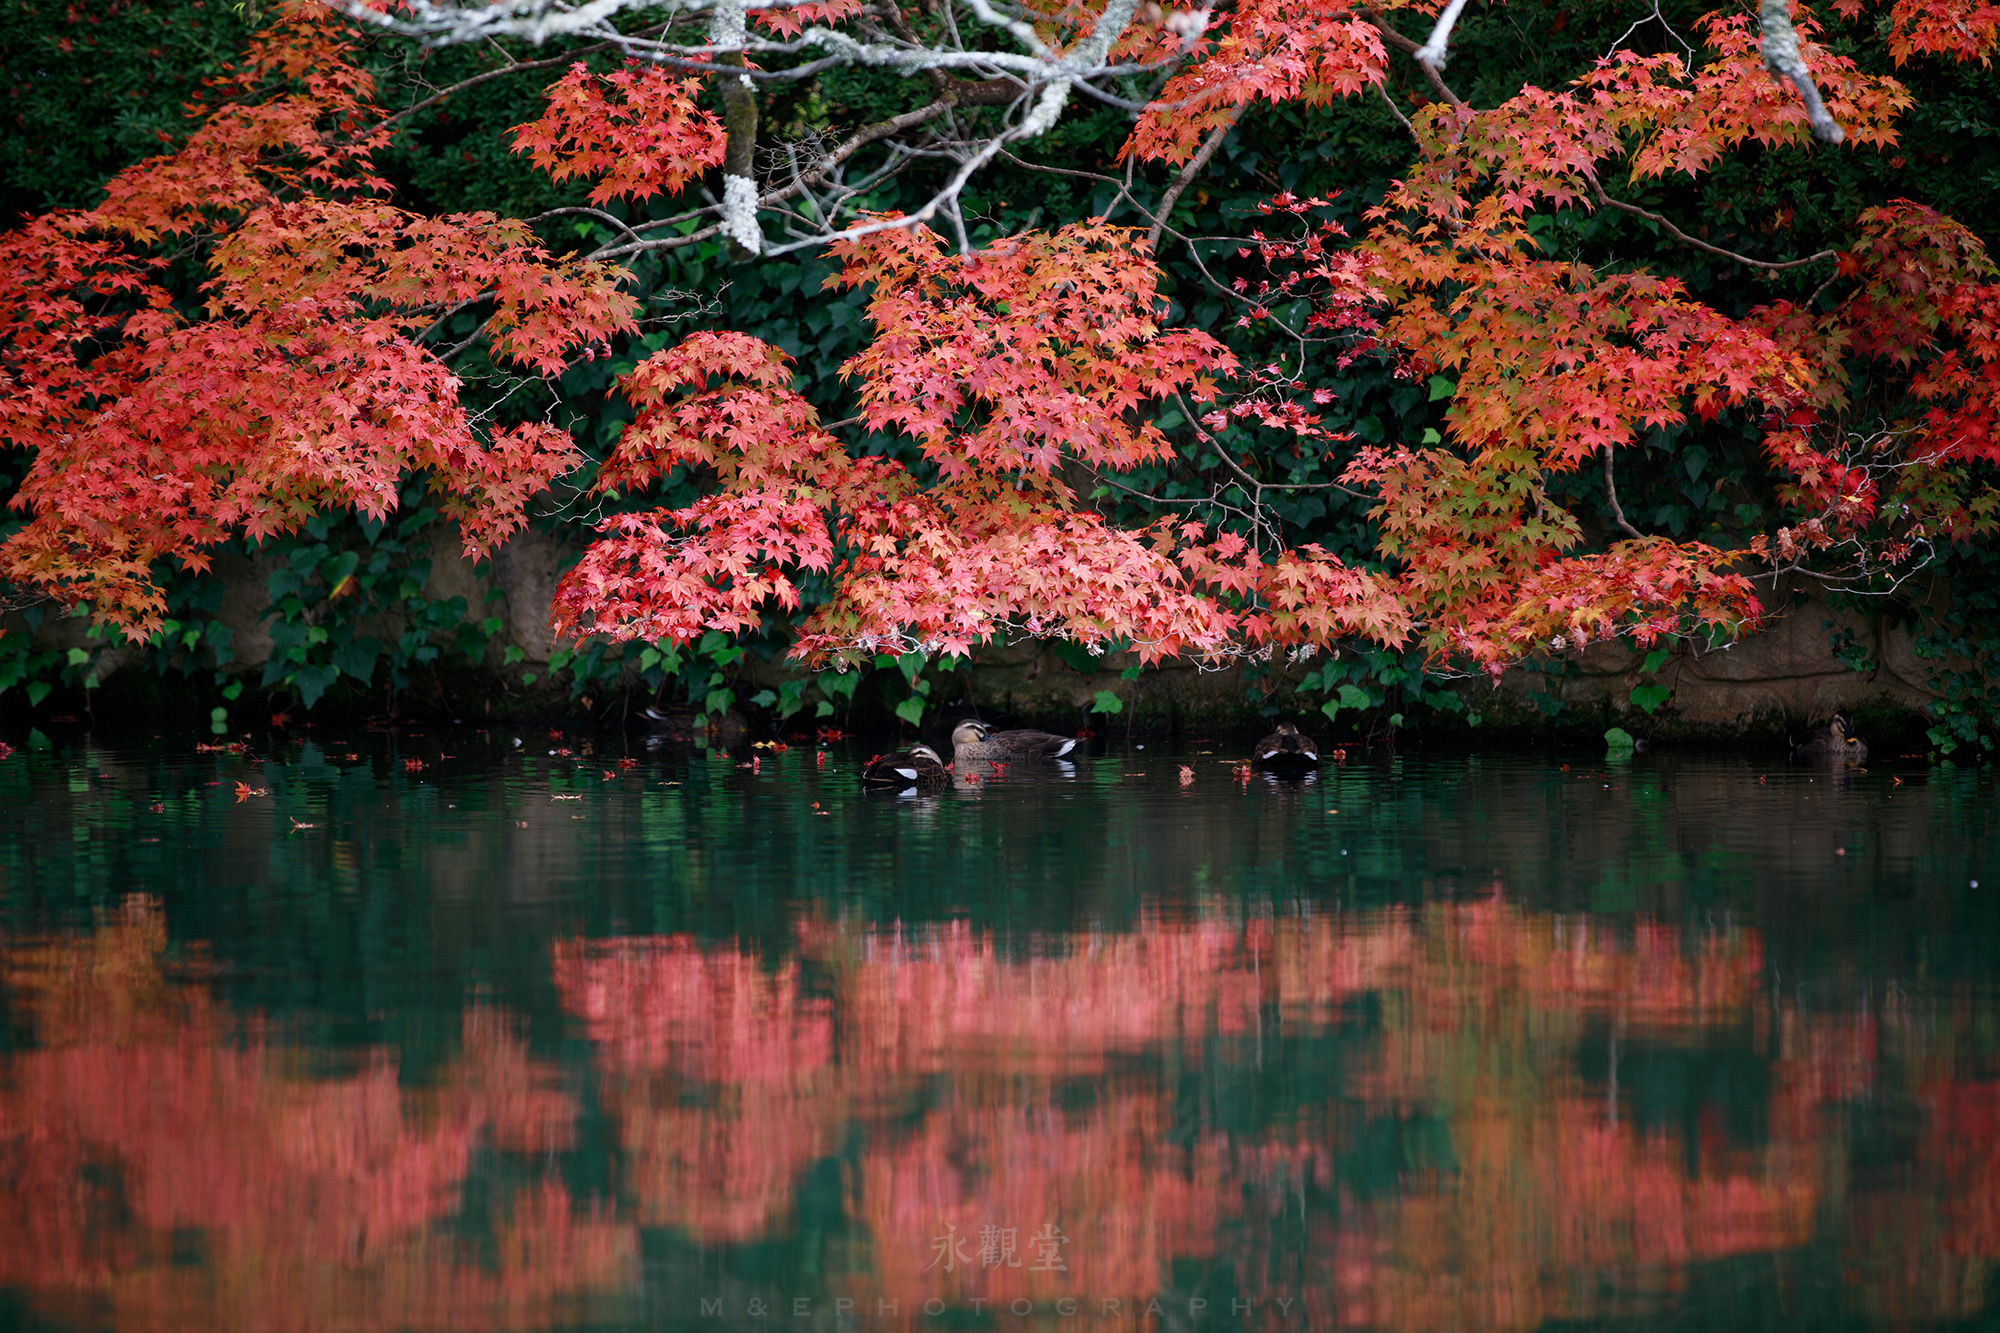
(565, 796)
(244, 791)
(1187, 775)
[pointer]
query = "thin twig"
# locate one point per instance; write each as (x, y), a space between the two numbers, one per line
(1611, 494)
(1396, 111)
(1769, 265)
(1263, 486)
(516, 67)
(590, 212)
(1151, 499)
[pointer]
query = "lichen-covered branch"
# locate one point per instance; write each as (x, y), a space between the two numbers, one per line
(1431, 55)
(726, 29)
(1781, 57)
(1032, 84)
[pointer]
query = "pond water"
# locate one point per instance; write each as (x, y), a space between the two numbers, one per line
(471, 1030)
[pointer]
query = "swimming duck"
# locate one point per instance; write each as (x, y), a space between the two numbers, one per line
(1833, 739)
(1285, 748)
(973, 740)
(918, 766)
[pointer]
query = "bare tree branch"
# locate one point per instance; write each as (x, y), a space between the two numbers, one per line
(1395, 110)
(1770, 266)
(514, 67)
(1032, 85)
(1410, 48)
(1611, 494)
(597, 213)
(1188, 173)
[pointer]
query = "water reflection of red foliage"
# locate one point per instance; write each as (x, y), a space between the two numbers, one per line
(1967, 1141)
(1923, 1240)
(1015, 1089)
(173, 1165)
(161, 1160)
(723, 1092)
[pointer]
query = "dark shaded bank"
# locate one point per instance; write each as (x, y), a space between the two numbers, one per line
(433, 636)
(1503, 716)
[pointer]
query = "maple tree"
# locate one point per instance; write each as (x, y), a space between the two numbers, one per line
(1029, 386)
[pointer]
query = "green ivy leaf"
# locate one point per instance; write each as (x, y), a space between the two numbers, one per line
(1107, 702)
(1648, 698)
(311, 681)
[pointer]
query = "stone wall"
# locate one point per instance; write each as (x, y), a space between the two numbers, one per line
(1783, 676)
(1775, 680)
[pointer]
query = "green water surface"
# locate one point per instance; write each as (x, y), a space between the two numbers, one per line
(524, 1030)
